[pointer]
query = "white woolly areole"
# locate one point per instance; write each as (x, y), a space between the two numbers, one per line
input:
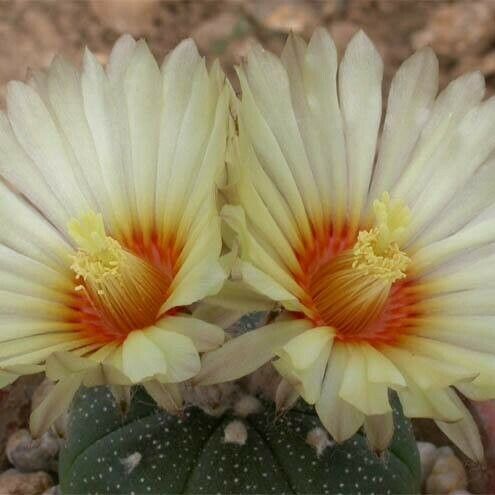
(247, 405)
(319, 440)
(235, 432)
(131, 462)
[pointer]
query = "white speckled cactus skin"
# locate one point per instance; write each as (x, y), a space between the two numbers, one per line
(150, 451)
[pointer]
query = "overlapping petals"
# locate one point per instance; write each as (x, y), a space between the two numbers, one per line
(320, 188)
(100, 166)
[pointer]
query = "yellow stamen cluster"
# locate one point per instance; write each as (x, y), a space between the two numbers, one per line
(99, 255)
(377, 251)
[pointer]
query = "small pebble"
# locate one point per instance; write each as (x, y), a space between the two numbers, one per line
(28, 454)
(247, 405)
(427, 455)
(448, 474)
(54, 490)
(13, 482)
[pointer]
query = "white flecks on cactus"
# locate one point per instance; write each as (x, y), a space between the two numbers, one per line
(235, 432)
(131, 462)
(199, 453)
(319, 440)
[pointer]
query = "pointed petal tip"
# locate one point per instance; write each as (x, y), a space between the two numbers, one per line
(257, 54)
(426, 56)
(474, 79)
(427, 51)
(14, 86)
(188, 45)
(89, 60)
(320, 32)
(142, 44)
(360, 37)
(362, 52)
(125, 38)
(286, 397)
(322, 36)
(294, 38)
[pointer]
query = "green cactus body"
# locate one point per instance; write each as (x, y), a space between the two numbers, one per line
(150, 451)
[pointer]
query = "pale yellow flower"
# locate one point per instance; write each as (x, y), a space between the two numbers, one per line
(379, 243)
(109, 228)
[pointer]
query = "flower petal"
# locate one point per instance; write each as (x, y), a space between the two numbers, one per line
(246, 353)
(205, 336)
(7, 378)
(410, 99)
(339, 417)
(167, 396)
(464, 433)
(142, 358)
(379, 430)
(360, 79)
(356, 388)
(142, 92)
(54, 404)
(453, 103)
(179, 352)
(304, 349)
(38, 135)
(306, 381)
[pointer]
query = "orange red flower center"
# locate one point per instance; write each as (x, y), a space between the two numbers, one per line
(120, 287)
(357, 284)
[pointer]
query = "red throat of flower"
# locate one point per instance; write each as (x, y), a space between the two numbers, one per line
(358, 285)
(120, 288)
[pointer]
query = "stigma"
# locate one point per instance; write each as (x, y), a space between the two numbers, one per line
(376, 252)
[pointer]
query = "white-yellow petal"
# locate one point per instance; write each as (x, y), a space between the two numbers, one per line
(360, 79)
(379, 430)
(356, 388)
(464, 433)
(248, 352)
(410, 99)
(141, 358)
(339, 417)
(166, 395)
(178, 351)
(306, 381)
(54, 404)
(204, 336)
(304, 349)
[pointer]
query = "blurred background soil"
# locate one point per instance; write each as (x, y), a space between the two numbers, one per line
(462, 32)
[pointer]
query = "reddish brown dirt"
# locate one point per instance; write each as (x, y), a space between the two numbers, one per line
(32, 32)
